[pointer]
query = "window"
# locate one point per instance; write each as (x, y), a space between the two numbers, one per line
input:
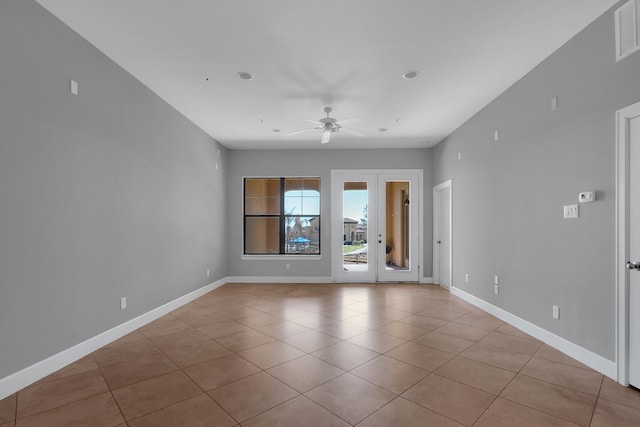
(282, 216)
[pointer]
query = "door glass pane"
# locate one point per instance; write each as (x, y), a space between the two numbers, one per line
(354, 211)
(397, 225)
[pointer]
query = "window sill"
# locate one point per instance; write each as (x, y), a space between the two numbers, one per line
(280, 257)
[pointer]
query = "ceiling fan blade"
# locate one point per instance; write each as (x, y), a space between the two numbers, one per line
(302, 131)
(352, 131)
(326, 136)
(350, 119)
(315, 122)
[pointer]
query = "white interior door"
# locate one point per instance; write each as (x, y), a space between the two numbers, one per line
(375, 226)
(442, 234)
(634, 252)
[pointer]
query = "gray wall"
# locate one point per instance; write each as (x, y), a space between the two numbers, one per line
(104, 195)
(314, 162)
(508, 196)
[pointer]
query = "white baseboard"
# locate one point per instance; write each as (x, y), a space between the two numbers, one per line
(19, 380)
(581, 354)
(278, 279)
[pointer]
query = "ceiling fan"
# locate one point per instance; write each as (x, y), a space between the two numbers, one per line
(328, 125)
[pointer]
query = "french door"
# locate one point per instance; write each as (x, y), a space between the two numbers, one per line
(376, 225)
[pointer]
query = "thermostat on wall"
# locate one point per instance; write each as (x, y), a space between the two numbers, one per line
(587, 196)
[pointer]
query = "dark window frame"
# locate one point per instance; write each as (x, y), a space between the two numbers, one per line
(282, 216)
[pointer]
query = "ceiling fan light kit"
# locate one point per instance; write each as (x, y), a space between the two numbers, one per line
(329, 125)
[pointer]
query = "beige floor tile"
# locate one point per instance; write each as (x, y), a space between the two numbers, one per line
(305, 373)
(124, 352)
(8, 409)
(137, 370)
(197, 353)
(52, 394)
(614, 392)
(282, 329)
(463, 331)
(180, 339)
(251, 396)
(271, 354)
(84, 364)
(421, 356)
(390, 374)
(289, 312)
(441, 313)
(342, 330)
(165, 325)
(476, 374)
(550, 353)
(512, 342)
(554, 400)
(340, 313)
(244, 340)
(444, 342)
(350, 397)
(377, 341)
(199, 411)
(221, 371)
(310, 341)
(609, 414)
(504, 413)
(314, 320)
(96, 411)
(259, 320)
(583, 380)
(512, 330)
(452, 399)
(498, 357)
(392, 314)
(401, 412)
(480, 319)
(424, 322)
(222, 329)
(297, 411)
(368, 321)
(345, 355)
(142, 398)
(402, 330)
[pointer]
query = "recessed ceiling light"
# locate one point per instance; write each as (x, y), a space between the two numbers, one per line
(410, 74)
(382, 129)
(276, 130)
(244, 75)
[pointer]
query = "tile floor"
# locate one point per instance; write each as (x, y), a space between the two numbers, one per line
(325, 355)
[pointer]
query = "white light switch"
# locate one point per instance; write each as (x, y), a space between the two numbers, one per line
(74, 87)
(496, 135)
(570, 211)
(554, 103)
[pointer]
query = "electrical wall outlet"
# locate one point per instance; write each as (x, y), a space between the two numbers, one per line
(495, 280)
(208, 272)
(496, 289)
(466, 278)
(556, 312)
(123, 303)
(287, 267)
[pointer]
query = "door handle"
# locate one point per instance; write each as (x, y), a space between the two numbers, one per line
(633, 265)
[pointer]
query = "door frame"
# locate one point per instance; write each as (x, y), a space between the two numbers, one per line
(623, 118)
(436, 226)
(337, 234)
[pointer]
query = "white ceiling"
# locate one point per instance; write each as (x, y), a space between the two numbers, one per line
(347, 54)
